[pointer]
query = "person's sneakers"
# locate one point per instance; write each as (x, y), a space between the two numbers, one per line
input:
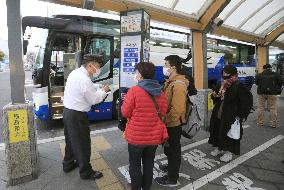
(216, 152)
(163, 167)
(70, 167)
(260, 124)
(227, 157)
(165, 181)
(93, 176)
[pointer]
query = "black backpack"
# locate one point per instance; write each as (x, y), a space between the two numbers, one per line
(191, 87)
(268, 85)
(247, 103)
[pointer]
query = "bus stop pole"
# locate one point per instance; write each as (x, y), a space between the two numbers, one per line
(18, 118)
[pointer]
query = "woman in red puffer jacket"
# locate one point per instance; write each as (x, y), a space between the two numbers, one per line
(144, 130)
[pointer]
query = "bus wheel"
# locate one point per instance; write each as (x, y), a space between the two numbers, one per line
(115, 106)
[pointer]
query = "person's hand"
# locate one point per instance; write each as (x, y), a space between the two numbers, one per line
(105, 88)
(215, 94)
(123, 96)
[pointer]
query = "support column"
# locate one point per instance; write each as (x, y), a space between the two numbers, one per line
(199, 59)
(200, 74)
(18, 117)
(262, 57)
(15, 43)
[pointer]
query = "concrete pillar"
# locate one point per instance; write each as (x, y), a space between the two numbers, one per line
(18, 117)
(199, 59)
(15, 43)
(20, 143)
(200, 74)
(262, 57)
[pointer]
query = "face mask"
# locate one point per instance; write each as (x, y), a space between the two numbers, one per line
(166, 71)
(98, 72)
(136, 78)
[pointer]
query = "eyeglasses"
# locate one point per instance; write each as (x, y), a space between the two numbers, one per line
(226, 77)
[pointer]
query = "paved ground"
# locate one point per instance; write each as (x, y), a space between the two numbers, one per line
(259, 166)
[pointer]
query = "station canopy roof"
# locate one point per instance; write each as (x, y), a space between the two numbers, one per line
(254, 21)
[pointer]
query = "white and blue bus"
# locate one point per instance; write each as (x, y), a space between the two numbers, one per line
(58, 44)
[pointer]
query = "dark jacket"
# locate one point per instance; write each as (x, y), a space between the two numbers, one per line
(268, 83)
(237, 103)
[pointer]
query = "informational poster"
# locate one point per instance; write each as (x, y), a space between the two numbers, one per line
(146, 40)
(130, 47)
(131, 23)
(146, 23)
(18, 126)
(146, 50)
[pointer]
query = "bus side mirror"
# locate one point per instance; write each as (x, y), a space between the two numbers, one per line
(25, 46)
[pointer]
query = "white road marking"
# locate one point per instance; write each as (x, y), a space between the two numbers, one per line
(239, 181)
(224, 169)
(124, 169)
(198, 159)
(190, 146)
(43, 141)
(158, 157)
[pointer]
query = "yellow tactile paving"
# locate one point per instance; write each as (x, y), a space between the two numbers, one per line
(62, 148)
(99, 143)
(108, 179)
(99, 164)
(115, 186)
(95, 155)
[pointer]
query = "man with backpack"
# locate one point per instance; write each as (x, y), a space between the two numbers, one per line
(268, 86)
(176, 93)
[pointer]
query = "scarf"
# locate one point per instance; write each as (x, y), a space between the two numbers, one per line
(225, 84)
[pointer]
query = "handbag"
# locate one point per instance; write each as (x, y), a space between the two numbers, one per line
(235, 131)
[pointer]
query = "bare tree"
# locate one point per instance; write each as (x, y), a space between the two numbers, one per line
(2, 55)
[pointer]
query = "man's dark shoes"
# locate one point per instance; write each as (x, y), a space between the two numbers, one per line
(93, 176)
(70, 167)
(165, 181)
(163, 167)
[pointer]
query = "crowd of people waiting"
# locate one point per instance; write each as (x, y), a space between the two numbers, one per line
(155, 115)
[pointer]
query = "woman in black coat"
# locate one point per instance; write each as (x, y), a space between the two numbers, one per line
(232, 101)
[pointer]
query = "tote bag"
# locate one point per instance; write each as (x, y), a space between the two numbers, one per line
(235, 131)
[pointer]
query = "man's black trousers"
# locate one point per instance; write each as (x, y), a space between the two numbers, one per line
(173, 152)
(78, 141)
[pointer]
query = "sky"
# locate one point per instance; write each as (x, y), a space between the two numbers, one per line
(38, 9)
(3, 20)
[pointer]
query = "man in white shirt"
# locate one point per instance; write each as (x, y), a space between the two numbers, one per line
(79, 95)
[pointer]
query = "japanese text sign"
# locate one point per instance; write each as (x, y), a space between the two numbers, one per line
(18, 126)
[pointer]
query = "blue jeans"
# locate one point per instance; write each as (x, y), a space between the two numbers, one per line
(146, 154)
